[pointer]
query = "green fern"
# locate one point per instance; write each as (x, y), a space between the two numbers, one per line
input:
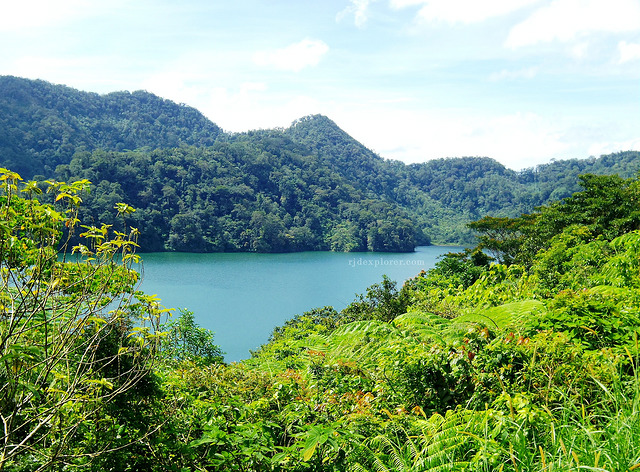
(361, 340)
(503, 316)
(443, 444)
(426, 327)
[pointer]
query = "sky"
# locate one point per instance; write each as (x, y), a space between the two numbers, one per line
(524, 82)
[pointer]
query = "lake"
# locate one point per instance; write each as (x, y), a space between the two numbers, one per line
(243, 296)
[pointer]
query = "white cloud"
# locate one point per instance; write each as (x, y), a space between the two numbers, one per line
(462, 11)
(565, 20)
(517, 140)
(360, 11)
(504, 74)
(94, 73)
(31, 66)
(294, 57)
(536, 138)
(36, 13)
(251, 108)
(600, 148)
(28, 15)
(580, 50)
(405, 3)
(238, 107)
(628, 51)
(179, 85)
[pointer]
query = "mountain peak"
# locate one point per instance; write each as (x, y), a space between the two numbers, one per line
(315, 122)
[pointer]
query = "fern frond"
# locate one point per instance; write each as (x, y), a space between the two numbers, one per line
(503, 316)
(424, 326)
(442, 445)
(361, 340)
(371, 327)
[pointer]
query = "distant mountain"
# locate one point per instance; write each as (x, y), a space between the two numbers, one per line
(308, 187)
(43, 125)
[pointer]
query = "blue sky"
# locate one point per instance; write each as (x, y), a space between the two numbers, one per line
(521, 81)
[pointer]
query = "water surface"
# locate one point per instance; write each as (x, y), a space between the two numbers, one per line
(242, 297)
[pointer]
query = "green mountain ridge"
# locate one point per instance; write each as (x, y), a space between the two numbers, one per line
(43, 125)
(307, 187)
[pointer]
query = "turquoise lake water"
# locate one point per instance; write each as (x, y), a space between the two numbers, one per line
(242, 297)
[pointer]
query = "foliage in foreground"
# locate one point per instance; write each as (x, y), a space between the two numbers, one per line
(474, 365)
(77, 342)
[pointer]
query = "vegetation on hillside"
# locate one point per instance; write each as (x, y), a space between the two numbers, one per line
(43, 125)
(240, 197)
(307, 187)
(525, 362)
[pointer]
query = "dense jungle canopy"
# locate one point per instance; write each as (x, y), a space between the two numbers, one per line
(307, 187)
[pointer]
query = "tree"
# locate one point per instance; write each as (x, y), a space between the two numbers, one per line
(457, 269)
(607, 205)
(383, 302)
(186, 341)
(502, 237)
(75, 335)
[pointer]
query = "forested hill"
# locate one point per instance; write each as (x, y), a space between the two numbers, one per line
(42, 125)
(308, 187)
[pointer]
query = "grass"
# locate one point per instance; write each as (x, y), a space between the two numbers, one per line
(578, 437)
